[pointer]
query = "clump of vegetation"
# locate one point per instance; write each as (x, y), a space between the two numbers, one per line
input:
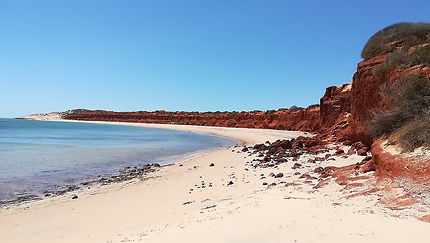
(410, 114)
(313, 106)
(295, 108)
(414, 135)
(420, 56)
(402, 60)
(409, 34)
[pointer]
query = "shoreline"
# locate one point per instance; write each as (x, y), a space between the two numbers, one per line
(121, 174)
(271, 134)
(193, 200)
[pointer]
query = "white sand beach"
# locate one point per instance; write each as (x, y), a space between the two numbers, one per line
(191, 201)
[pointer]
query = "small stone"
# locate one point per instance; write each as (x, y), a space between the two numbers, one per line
(264, 183)
(212, 164)
(279, 175)
(319, 170)
(75, 197)
(340, 151)
(351, 151)
(230, 183)
(296, 166)
(362, 152)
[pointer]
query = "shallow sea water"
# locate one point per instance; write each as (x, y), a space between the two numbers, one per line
(40, 156)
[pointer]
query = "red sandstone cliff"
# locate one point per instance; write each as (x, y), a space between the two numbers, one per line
(330, 119)
(367, 93)
(335, 112)
(307, 119)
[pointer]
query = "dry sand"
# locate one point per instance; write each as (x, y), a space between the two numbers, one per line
(190, 201)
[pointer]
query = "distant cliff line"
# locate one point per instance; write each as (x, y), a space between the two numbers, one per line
(321, 118)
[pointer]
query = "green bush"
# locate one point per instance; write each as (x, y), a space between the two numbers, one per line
(420, 56)
(412, 97)
(409, 33)
(411, 103)
(385, 124)
(393, 61)
(313, 106)
(295, 108)
(414, 135)
(401, 60)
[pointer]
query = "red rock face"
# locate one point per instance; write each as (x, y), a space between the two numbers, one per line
(362, 84)
(331, 122)
(335, 112)
(367, 94)
(302, 120)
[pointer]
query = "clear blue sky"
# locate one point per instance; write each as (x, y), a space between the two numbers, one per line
(183, 55)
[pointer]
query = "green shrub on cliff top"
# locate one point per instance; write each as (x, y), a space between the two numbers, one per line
(295, 108)
(410, 33)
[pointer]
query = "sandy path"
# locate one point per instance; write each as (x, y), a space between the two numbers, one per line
(165, 209)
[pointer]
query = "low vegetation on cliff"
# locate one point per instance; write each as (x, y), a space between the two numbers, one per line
(405, 119)
(407, 122)
(404, 34)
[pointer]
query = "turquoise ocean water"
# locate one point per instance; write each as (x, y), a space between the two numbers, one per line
(40, 156)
